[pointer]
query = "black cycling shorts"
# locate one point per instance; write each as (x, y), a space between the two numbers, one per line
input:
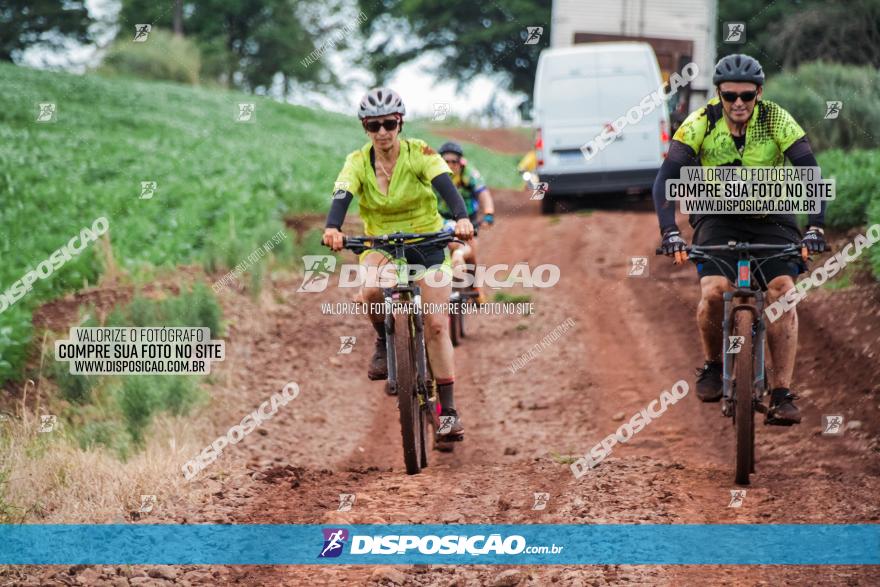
(719, 230)
(430, 256)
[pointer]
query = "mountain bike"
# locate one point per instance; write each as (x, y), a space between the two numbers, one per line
(744, 334)
(409, 371)
(459, 299)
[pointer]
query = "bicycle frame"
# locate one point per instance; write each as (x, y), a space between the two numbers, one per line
(409, 294)
(744, 383)
(404, 292)
(746, 290)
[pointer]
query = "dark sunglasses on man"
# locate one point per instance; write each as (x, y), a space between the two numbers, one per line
(451, 161)
(375, 125)
(732, 96)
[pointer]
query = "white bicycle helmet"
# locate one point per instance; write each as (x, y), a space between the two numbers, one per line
(380, 102)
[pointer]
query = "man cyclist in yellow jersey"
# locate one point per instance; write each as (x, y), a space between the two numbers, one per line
(738, 128)
(394, 181)
(478, 202)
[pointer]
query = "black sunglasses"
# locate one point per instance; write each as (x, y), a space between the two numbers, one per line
(375, 125)
(456, 160)
(732, 96)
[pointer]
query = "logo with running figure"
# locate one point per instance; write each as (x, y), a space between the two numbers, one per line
(735, 344)
(734, 32)
(48, 422)
(46, 112)
(446, 423)
(346, 344)
(639, 267)
(317, 272)
(148, 189)
(541, 500)
(142, 32)
(832, 425)
(148, 502)
(832, 109)
(441, 109)
(540, 189)
(247, 112)
(334, 542)
(339, 189)
(737, 496)
(346, 502)
(533, 34)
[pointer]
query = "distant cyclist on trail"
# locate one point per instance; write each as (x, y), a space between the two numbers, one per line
(394, 180)
(738, 128)
(477, 199)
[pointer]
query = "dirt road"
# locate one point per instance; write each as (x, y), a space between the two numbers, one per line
(632, 338)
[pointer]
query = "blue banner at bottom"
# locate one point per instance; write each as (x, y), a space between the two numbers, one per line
(523, 544)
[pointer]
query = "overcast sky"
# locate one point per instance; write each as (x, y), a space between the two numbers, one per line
(419, 89)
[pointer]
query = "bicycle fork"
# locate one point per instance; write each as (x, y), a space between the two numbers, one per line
(758, 334)
(389, 340)
(418, 342)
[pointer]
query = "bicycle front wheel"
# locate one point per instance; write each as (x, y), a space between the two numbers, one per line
(407, 395)
(743, 398)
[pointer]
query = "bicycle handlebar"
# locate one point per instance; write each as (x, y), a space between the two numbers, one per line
(362, 243)
(734, 246)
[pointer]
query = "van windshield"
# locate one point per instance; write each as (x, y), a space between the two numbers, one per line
(605, 98)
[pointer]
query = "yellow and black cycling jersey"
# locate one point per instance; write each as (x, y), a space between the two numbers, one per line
(770, 131)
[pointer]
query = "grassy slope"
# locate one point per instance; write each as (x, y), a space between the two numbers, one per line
(223, 187)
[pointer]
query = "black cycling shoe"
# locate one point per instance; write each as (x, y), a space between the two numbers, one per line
(451, 429)
(782, 410)
(709, 386)
(378, 369)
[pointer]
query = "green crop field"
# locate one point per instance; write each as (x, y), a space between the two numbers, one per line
(223, 187)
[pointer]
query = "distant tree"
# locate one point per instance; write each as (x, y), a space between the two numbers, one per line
(244, 43)
(48, 23)
(468, 38)
(785, 33)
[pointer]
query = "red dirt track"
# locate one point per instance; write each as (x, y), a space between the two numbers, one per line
(632, 338)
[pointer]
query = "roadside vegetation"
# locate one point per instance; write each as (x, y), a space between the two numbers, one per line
(222, 187)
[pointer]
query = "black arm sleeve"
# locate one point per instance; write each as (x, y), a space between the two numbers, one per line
(801, 155)
(338, 208)
(679, 156)
(450, 195)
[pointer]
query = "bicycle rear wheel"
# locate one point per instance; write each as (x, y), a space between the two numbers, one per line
(461, 333)
(743, 398)
(407, 395)
(455, 325)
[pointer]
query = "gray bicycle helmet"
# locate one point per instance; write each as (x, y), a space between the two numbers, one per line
(380, 102)
(738, 68)
(451, 147)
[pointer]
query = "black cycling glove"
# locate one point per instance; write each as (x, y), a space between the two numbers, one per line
(814, 240)
(672, 241)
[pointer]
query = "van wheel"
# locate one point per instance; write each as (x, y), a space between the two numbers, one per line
(548, 204)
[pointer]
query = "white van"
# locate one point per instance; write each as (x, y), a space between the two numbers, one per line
(581, 91)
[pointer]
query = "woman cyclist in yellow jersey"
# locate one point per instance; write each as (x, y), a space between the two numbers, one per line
(394, 180)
